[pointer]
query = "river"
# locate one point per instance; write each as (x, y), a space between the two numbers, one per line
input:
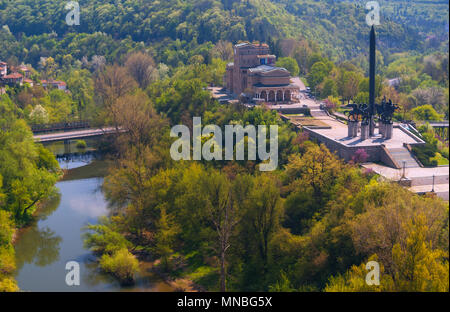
(56, 237)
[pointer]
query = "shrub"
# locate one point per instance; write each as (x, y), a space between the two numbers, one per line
(121, 264)
(425, 154)
(360, 156)
(102, 239)
(81, 144)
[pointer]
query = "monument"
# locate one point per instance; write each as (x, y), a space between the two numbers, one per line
(366, 114)
(369, 128)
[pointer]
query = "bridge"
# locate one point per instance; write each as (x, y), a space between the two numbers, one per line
(440, 128)
(60, 126)
(73, 135)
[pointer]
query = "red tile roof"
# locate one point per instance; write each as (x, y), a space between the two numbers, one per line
(13, 76)
(23, 68)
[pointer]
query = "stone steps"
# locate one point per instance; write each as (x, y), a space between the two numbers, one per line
(318, 113)
(401, 155)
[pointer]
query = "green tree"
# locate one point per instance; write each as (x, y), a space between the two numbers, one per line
(317, 74)
(166, 231)
(427, 113)
(417, 266)
(29, 170)
(329, 88)
(290, 64)
(263, 212)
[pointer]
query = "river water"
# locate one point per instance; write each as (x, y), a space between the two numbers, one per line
(56, 237)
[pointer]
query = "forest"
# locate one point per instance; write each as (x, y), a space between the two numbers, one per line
(144, 66)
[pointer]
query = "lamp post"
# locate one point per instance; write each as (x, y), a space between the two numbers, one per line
(404, 167)
(432, 189)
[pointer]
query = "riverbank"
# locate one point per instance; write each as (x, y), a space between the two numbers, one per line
(94, 169)
(55, 236)
(178, 284)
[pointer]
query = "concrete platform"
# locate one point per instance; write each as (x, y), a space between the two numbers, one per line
(441, 190)
(420, 179)
(385, 156)
(412, 173)
(338, 133)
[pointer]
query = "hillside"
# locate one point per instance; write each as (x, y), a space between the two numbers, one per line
(338, 26)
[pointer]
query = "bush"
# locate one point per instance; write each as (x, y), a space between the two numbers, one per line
(426, 154)
(121, 264)
(360, 156)
(8, 284)
(439, 159)
(81, 144)
(104, 240)
(444, 152)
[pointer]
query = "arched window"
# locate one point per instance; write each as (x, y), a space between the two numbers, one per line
(279, 96)
(264, 95)
(272, 96)
(287, 95)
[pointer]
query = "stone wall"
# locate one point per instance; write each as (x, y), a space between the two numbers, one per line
(376, 153)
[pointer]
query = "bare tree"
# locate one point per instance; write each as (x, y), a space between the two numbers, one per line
(141, 123)
(223, 50)
(111, 84)
(141, 66)
(98, 62)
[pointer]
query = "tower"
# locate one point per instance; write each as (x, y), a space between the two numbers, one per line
(372, 64)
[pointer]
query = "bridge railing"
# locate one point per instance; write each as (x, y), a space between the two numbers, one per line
(60, 126)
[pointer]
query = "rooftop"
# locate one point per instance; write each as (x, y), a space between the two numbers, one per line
(13, 76)
(243, 44)
(23, 68)
(266, 69)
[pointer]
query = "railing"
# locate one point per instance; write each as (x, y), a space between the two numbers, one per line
(60, 126)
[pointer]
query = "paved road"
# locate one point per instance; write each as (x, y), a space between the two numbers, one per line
(69, 135)
(297, 81)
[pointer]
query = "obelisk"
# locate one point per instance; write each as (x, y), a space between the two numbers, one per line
(372, 62)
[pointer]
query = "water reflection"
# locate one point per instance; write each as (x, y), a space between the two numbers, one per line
(56, 237)
(39, 246)
(90, 204)
(60, 148)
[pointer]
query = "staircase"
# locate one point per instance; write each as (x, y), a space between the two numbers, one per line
(401, 155)
(316, 112)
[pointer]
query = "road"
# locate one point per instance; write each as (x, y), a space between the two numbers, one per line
(297, 81)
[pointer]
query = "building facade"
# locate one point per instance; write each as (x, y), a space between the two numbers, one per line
(12, 79)
(254, 73)
(60, 85)
(3, 69)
